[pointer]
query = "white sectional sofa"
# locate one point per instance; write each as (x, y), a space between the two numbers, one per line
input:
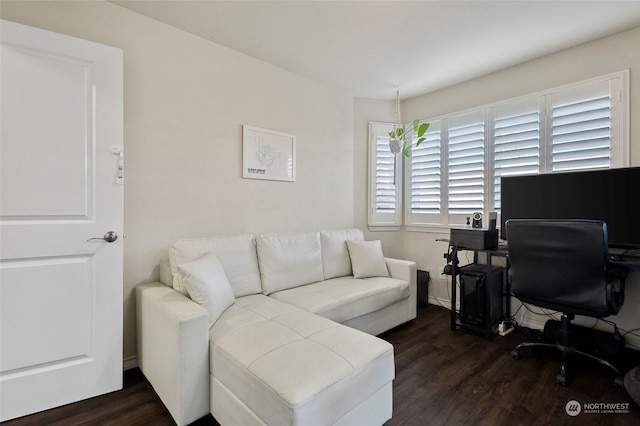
(283, 331)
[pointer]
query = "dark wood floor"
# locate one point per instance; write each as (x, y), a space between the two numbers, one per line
(442, 378)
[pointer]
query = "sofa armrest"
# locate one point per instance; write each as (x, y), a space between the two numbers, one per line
(173, 350)
(406, 270)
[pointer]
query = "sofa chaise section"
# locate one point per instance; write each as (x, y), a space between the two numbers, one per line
(273, 363)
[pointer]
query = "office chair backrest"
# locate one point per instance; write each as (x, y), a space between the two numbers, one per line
(560, 265)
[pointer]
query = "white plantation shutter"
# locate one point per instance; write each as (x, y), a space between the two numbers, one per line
(457, 171)
(581, 128)
(424, 200)
(466, 155)
(516, 141)
(385, 172)
(385, 183)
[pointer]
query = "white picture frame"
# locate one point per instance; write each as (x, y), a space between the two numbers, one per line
(268, 154)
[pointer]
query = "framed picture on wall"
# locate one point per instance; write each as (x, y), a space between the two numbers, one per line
(267, 154)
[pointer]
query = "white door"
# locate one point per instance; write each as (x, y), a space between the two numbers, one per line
(61, 121)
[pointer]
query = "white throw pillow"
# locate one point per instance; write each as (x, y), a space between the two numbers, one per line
(208, 285)
(367, 259)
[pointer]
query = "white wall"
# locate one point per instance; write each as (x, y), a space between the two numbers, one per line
(186, 100)
(593, 59)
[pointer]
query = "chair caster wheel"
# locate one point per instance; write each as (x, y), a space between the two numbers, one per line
(561, 379)
(619, 382)
(515, 354)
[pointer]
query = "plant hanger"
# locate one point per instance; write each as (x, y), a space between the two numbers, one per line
(400, 136)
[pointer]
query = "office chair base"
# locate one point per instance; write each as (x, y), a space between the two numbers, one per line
(562, 379)
(564, 376)
(600, 343)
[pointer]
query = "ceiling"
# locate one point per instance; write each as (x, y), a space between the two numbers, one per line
(368, 48)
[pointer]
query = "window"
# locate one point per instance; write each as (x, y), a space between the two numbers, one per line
(385, 183)
(516, 141)
(581, 121)
(467, 165)
(426, 171)
(580, 126)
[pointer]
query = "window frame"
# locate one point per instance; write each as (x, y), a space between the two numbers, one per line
(439, 128)
(376, 220)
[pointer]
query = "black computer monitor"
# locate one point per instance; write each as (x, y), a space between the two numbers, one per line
(609, 195)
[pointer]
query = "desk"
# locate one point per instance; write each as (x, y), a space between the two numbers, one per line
(632, 262)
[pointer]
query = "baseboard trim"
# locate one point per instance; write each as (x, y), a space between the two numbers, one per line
(531, 323)
(445, 303)
(130, 363)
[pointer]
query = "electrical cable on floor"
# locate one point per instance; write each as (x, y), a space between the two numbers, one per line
(611, 323)
(551, 314)
(512, 319)
(630, 332)
(548, 313)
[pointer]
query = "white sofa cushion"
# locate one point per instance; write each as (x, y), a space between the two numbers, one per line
(289, 366)
(335, 255)
(367, 259)
(237, 255)
(345, 298)
(289, 260)
(207, 285)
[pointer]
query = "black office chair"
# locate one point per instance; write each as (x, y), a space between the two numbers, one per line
(563, 265)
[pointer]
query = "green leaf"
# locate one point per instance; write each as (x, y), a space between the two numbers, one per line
(392, 134)
(407, 151)
(416, 123)
(422, 129)
(400, 131)
(420, 141)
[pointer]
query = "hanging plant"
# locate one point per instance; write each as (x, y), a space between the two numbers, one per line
(401, 137)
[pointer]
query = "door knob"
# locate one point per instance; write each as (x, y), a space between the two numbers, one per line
(109, 237)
